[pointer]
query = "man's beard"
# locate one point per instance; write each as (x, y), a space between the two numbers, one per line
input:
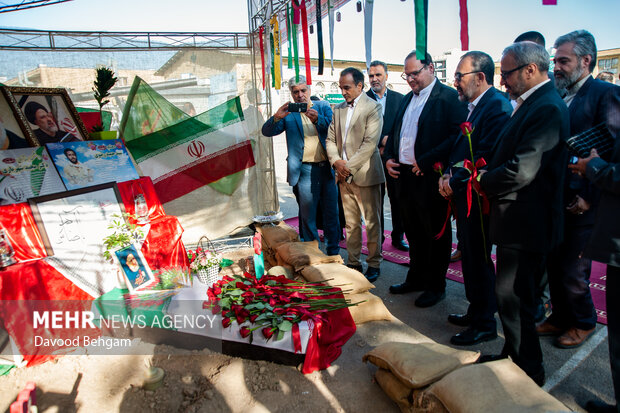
(567, 80)
(376, 88)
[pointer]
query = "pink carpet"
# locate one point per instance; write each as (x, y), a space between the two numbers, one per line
(597, 278)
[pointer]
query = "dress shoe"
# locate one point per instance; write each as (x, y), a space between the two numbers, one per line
(429, 298)
(548, 329)
(472, 336)
(487, 358)
(598, 406)
(400, 245)
(372, 274)
(356, 267)
(463, 320)
(404, 288)
(573, 338)
(456, 255)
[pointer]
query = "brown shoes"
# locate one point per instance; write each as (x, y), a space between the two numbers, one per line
(455, 256)
(573, 338)
(547, 329)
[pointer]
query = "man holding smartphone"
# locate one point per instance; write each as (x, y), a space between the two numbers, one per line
(308, 171)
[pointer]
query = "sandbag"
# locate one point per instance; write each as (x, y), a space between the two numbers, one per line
(395, 389)
(275, 235)
(371, 308)
(420, 364)
(285, 270)
(302, 254)
(499, 386)
(338, 275)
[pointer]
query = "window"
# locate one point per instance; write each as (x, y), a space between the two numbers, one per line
(319, 88)
(334, 88)
(608, 65)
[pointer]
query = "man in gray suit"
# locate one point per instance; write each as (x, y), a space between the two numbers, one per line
(352, 150)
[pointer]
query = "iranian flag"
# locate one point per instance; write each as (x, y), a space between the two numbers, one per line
(212, 148)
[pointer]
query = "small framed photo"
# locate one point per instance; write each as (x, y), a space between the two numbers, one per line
(49, 114)
(13, 131)
(137, 274)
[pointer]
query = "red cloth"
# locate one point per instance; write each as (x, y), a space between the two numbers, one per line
(37, 280)
(21, 230)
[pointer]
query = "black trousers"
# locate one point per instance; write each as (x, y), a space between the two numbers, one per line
(424, 212)
(397, 224)
(478, 268)
(518, 272)
(569, 281)
(612, 293)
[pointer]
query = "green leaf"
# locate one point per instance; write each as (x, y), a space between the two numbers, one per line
(280, 335)
(285, 326)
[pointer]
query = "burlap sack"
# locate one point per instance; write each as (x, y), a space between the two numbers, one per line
(418, 365)
(338, 275)
(499, 386)
(302, 254)
(287, 271)
(395, 389)
(240, 258)
(276, 235)
(370, 309)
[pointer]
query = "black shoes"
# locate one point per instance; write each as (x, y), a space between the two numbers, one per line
(356, 267)
(597, 406)
(404, 288)
(429, 298)
(400, 245)
(463, 320)
(372, 274)
(472, 336)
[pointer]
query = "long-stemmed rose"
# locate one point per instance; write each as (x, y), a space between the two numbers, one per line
(273, 304)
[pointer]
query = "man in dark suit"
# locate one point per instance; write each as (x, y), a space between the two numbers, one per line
(390, 101)
(425, 127)
(488, 113)
(524, 183)
(590, 103)
(308, 170)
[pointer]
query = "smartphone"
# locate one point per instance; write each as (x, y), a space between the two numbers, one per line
(573, 160)
(297, 107)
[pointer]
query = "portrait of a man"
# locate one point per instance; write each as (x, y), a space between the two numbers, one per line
(47, 130)
(75, 172)
(137, 274)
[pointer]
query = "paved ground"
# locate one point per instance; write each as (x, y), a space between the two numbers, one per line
(573, 376)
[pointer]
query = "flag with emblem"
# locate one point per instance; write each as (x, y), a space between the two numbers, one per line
(212, 148)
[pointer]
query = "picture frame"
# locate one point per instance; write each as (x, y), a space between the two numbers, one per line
(48, 114)
(136, 272)
(73, 225)
(14, 134)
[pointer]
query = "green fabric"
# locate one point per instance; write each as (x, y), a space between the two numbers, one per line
(5, 368)
(288, 35)
(421, 28)
(146, 111)
(113, 303)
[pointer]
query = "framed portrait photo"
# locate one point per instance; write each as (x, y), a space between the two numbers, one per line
(49, 114)
(13, 131)
(137, 274)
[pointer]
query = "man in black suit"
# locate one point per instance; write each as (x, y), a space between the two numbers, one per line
(590, 103)
(425, 127)
(389, 100)
(488, 113)
(524, 183)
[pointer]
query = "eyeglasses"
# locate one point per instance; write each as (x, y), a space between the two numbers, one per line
(507, 73)
(459, 76)
(406, 76)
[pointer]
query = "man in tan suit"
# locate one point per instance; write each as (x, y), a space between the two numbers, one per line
(352, 150)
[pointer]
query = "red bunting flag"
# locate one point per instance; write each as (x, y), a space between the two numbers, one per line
(550, 2)
(464, 25)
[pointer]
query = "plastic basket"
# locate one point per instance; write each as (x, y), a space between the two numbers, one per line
(209, 276)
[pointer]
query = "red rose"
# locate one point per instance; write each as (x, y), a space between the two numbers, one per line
(244, 331)
(206, 304)
(253, 318)
(216, 309)
(438, 167)
(217, 290)
(267, 332)
(467, 128)
(226, 322)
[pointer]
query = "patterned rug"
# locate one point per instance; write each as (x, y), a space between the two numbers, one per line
(597, 278)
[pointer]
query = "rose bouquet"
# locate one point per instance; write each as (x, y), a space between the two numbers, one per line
(200, 259)
(273, 304)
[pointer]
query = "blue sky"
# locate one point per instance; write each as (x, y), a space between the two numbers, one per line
(493, 23)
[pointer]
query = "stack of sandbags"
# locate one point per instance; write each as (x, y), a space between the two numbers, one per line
(302, 254)
(405, 369)
(273, 236)
(355, 286)
(498, 386)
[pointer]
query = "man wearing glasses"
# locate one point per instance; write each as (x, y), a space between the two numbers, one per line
(426, 124)
(524, 183)
(488, 113)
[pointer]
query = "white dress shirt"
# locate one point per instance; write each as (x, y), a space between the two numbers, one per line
(409, 129)
(527, 94)
(472, 105)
